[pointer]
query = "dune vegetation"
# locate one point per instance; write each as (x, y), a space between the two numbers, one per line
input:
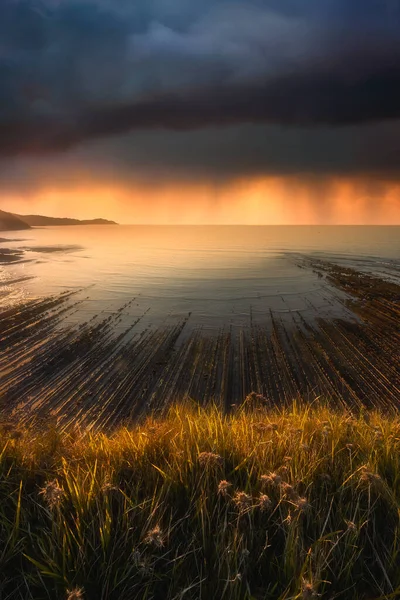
(296, 502)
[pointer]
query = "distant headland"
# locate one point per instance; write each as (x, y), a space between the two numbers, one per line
(13, 222)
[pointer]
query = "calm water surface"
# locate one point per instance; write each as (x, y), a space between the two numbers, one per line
(220, 275)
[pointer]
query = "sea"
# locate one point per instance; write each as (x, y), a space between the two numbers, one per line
(215, 276)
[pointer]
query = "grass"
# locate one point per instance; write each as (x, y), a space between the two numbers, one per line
(263, 503)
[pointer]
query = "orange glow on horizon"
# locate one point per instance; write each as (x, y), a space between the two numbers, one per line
(260, 200)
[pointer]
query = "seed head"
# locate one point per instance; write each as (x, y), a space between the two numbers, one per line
(351, 526)
(326, 431)
(252, 397)
(307, 590)
(369, 477)
(288, 519)
(224, 487)
(272, 427)
(146, 566)
(260, 427)
(75, 594)
(52, 493)
(242, 501)
(295, 431)
(288, 491)
(271, 478)
(209, 459)
(108, 487)
(155, 537)
(264, 502)
(245, 554)
(136, 557)
(302, 504)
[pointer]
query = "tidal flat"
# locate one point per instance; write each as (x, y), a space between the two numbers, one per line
(98, 376)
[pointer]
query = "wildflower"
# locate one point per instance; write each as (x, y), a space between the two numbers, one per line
(155, 537)
(350, 447)
(209, 459)
(272, 478)
(242, 501)
(75, 594)
(224, 487)
(308, 590)
(52, 493)
(264, 502)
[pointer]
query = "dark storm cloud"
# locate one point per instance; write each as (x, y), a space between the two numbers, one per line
(371, 150)
(72, 72)
(299, 99)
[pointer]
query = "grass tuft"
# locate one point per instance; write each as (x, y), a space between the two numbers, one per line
(259, 504)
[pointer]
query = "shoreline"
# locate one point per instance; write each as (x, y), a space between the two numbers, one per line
(101, 373)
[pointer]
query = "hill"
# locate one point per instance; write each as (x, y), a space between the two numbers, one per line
(42, 221)
(10, 222)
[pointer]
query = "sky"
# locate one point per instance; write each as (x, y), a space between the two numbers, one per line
(171, 111)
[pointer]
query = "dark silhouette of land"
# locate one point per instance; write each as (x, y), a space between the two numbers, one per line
(14, 222)
(42, 221)
(9, 222)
